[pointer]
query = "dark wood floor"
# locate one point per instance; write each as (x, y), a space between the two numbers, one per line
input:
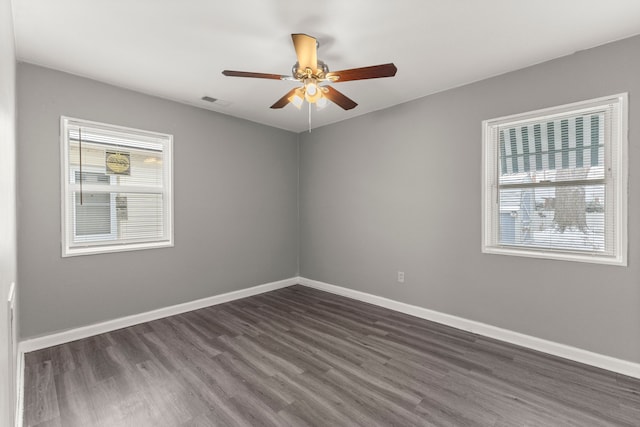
(301, 357)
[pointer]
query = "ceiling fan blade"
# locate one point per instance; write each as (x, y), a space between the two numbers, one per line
(307, 51)
(372, 72)
(285, 99)
(254, 75)
(339, 98)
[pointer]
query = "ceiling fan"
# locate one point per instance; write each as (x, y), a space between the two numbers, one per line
(310, 71)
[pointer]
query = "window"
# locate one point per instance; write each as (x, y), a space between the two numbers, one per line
(555, 183)
(116, 188)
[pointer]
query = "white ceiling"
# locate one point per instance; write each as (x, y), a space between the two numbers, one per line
(177, 49)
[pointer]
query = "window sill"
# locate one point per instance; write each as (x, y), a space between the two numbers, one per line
(559, 256)
(92, 250)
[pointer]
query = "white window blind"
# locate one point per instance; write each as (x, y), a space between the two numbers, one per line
(555, 182)
(116, 188)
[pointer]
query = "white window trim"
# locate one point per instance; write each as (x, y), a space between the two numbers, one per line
(618, 162)
(66, 220)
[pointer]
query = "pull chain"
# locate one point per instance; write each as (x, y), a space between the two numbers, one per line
(309, 116)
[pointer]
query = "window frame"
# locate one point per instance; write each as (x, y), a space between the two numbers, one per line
(103, 244)
(616, 181)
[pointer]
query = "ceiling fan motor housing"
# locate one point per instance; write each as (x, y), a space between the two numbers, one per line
(319, 73)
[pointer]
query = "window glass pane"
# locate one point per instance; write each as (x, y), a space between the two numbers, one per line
(123, 217)
(140, 216)
(129, 165)
(564, 217)
(92, 214)
(126, 159)
(569, 142)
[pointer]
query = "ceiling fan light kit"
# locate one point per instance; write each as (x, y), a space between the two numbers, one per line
(311, 72)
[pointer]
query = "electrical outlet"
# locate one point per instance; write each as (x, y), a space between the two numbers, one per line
(400, 276)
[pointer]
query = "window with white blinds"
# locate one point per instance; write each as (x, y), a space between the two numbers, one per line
(116, 188)
(555, 182)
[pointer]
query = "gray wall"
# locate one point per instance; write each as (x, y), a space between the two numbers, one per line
(7, 206)
(235, 196)
(393, 190)
(399, 189)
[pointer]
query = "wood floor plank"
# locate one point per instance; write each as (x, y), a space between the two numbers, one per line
(302, 357)
(312, 405)
(266, 390)
(41, 400)
(75, 408)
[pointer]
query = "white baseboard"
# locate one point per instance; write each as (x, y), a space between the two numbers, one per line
(568, 352)
(572, 353)
(69, 335)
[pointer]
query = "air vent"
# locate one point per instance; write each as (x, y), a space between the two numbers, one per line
(216, 101)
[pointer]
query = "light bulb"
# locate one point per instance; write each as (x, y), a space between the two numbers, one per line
(312, 88)
(321, 103)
